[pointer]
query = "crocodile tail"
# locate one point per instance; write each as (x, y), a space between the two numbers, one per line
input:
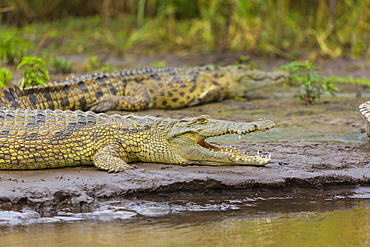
(71, 94)
(39, 97)
(11, 98)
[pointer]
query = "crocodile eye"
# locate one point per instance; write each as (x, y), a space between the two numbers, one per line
(201, 120)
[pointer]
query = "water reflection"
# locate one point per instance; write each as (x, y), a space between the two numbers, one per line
(260, 221)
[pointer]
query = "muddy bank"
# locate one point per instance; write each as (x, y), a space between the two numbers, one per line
(296, 164)
(313, 165)
(312, 147)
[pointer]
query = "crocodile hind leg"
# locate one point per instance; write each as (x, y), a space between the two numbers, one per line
(136, 98)
(212, 94)
(108, 159)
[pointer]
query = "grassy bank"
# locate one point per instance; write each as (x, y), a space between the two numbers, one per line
(286, 28)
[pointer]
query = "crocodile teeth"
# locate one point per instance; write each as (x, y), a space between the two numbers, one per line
(262, 159)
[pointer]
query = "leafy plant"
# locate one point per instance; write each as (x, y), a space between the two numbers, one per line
(61, 65)
(294, 69)
(12, 48)
(35, 72)
(311, 86)
(5, 77)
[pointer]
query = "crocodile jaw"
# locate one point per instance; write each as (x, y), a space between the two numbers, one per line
(187, 139)
(196, 150)
(234, 156)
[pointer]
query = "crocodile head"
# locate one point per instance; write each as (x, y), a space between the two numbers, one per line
(244, 79)
(188, 138)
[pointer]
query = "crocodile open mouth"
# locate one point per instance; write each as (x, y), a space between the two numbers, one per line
(233, 155)
(192, 144)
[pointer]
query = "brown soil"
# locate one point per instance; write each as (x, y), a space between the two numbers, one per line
(314, 147)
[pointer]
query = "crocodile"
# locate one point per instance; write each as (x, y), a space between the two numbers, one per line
(365, 111)
(138, 89)
(38, 139)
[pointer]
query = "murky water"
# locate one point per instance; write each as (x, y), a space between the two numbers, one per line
(298, 218)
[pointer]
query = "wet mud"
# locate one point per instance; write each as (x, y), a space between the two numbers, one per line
(295, 165)
(312, 147)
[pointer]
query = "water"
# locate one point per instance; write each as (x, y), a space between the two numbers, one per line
(297, 218)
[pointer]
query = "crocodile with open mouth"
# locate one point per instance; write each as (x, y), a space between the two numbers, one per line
(38, 139)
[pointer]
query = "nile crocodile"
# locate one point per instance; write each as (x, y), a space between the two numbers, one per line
(138, 89)
(37, 139)
(365, 111)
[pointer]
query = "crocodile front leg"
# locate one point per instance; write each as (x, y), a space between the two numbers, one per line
(136, 98)
(111, 158)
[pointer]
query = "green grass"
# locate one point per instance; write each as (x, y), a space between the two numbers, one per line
(285, 28)
(347, 80)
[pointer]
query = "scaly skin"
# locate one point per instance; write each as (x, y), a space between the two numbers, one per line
(38, 139)
(365, 111)
(138, 89)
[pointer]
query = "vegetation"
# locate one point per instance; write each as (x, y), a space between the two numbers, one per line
(12, 48)
(94, 64)
(346, 80)
(61, 65)
(311, 86)
(286, 28)
(5, 77)
(35, 72)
